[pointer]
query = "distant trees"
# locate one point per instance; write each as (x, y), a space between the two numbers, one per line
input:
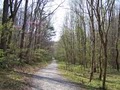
(103, 31)
(93, 36)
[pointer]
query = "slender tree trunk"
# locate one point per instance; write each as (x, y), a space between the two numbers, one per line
(117, 54)
(31, 30)
(13, 10)
(100, 64)
(92, 62)
(91, 15)
(4, 22)
(23, 29)
(117, 42)
(105, 65)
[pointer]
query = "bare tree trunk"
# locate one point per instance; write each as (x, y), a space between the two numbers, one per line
(13, 10)
(31, 29)
(4, 22)
(23, 29)
(117, 42)
(91, 15)
(105, 65)
(100, 63)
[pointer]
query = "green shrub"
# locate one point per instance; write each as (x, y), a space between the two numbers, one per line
(42, 55)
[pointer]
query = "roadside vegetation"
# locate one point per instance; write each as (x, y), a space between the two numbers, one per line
(14, 79)
(25, 41)
(18, 76)
(89, 47)
(80, 75)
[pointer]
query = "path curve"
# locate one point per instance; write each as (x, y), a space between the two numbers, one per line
(49, 78)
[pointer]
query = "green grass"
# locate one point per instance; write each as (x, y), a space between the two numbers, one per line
(76, 74)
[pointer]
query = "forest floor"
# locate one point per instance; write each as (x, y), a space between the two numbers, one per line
(17, 79)
(53, 76)
(40, 76)
(50, 78)
(78, 74)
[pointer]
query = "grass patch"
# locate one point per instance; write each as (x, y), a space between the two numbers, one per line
(77, 74)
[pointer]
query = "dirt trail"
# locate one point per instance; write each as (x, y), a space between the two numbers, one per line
(49, 78)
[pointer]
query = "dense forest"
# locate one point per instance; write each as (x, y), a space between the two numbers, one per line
(89, 44)
(25, 38)
(25, 31)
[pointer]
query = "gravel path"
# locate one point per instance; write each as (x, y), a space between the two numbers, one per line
(50, 79)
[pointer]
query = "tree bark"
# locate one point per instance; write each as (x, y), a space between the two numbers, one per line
(23, 29)
(91, 15)
(117, 51)
(100, 63)
(4, 22)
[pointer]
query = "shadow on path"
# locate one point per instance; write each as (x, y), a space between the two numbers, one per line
(38, 77)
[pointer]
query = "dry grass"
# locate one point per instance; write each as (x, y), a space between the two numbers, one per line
(14, 79)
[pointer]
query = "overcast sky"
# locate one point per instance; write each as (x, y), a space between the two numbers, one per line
(58, 18)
